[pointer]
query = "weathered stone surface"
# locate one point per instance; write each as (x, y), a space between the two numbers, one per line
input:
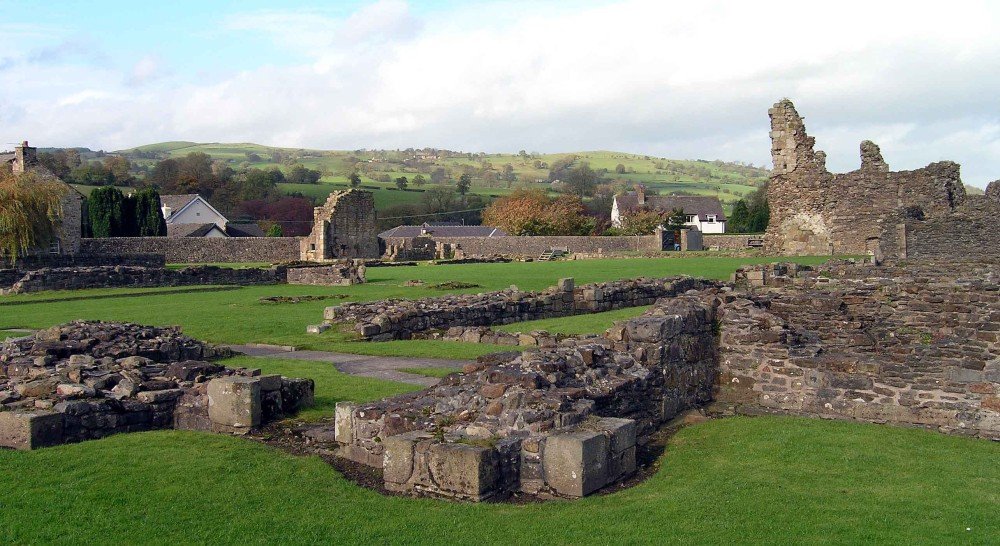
(576, 463)
(30, 430)
(235, 402)
(343, 227)
(814, 211)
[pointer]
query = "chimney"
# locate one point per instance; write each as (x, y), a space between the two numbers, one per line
(24, 157)
(640, 193)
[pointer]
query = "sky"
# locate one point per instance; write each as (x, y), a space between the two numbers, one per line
(683, 80)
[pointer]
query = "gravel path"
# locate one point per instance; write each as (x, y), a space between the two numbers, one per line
(380, 367)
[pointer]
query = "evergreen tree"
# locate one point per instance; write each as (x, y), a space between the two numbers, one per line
(739, 220)
(105, 210)
(149, 214)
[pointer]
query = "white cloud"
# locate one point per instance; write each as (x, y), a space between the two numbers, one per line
(674, 80)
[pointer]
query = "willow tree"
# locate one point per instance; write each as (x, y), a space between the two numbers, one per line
(30, 208)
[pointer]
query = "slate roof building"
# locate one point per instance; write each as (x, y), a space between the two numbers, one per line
(191, 215)
(703, 213)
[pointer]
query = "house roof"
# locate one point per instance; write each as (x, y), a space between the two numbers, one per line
(7, 158)
(244, 230)
(443, 231)
(177, 202)
(190, 230)
(690, 204)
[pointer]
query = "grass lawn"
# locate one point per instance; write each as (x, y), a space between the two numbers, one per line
(430, 372)
(332, 386)
(237, 316)
(593, 323)
(765, 479)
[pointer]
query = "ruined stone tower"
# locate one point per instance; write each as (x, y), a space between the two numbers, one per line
(344, 227)
(814, 211)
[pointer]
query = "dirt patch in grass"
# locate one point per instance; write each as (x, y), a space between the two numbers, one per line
(301, 299)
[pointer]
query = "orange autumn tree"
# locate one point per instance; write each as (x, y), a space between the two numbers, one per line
(533, 212)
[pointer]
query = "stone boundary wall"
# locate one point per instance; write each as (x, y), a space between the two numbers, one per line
(532, 247)
(949, 237)
(401, 319)
(558, 422)
(77, 278)
(200, 249)
(736, 241)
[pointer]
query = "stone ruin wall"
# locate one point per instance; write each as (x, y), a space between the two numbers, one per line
(402, 319)
(88, 380)
(344, 227)
(817, 212)
(562, 422)
(914, 346)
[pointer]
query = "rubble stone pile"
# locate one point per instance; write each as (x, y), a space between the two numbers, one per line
(87, 380)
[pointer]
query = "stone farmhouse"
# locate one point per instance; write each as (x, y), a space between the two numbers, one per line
(703, 213)
(191, 215)
(70, 228)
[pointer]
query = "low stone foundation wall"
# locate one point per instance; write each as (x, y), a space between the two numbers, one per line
(88, 380)
(200, 249)
(401, 319)
(532, 247)
(557, 422)
(343, 273)
(76, 278)
(734, 241)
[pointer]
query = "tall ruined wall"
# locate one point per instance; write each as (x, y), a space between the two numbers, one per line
(344, 227)
(814, 211)
(199, 249)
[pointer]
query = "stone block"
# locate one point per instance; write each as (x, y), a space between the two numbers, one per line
(296, 394)
(576, 462)
(567, 284)
(270, 382)
(464, 470)
(397, 460)
(317, 328)
(621, 432)
(30, 430)
(343, 422)
(234, 402)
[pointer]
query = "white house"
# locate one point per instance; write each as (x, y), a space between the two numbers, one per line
(192, 215)
(703, 213)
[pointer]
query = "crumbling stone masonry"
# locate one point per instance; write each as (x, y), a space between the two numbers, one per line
(916, 346)
(403, 319)
(817, 212)
(87, 380)
(561, 421)
(344, 227)
(341, 273)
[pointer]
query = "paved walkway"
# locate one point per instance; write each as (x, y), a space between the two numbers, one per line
(380, 367)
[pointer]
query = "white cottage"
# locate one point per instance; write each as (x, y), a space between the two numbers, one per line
(703, 213)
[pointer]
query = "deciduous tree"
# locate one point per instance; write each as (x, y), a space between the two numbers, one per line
(30, 207)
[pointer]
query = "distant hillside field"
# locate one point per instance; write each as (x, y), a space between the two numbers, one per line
(379, 169)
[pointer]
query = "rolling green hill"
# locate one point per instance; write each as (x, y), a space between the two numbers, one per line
(378, 168)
